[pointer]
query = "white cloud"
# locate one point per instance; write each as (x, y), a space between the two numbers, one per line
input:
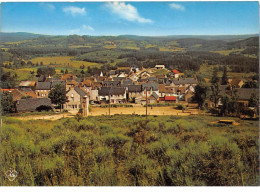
(82, 30)
(87, 27)
(177, 6)
(48, 6)
(126, 11)
(74, 10)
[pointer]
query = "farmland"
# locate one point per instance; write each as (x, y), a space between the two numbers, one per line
(126, 150)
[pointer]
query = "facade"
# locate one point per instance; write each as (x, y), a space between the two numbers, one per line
(75, 98)
(43, 89)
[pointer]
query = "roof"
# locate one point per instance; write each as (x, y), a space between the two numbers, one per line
(105, 91)
(158, 65)
(6, 89)
(111, 83)
(41, 78)
(27, 83)
(80, 92)
(43, 86)
(170, 98)
(245, 93)
(127, 82)
(187, 81)
(162, 88)
(31, 104)
(88, 83)
(135, 88)
(72, 82)
(175, 71)
(66, 76)
(235, 82)
(55, 82)
(155, 95)
(151, 85)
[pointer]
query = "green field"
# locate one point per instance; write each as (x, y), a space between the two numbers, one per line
(129, 151)
(63, 61)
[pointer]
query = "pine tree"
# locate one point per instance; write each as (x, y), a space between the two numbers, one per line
(224, 79)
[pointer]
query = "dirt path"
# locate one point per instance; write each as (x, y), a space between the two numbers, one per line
(141, 111)
(96, 111)
(46, 117)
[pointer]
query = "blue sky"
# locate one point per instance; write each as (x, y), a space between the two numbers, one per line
(135, 18)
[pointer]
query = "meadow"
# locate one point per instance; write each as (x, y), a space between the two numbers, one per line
(128, 150)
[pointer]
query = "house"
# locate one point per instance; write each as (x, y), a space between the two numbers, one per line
(43, 89)
(170, 99)
(27, 85)
(68, 77)
(76, 97)
(33, 104)
(150, 87)
(19, 94)
(116, 94)
(175, 73)
(237, 83)
(166, 90)
(244, 94)
(144, 75)
(159, 67)
(71, 83)
(111, 84)
(134, 91)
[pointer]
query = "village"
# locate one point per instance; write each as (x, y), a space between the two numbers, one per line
(124, 85)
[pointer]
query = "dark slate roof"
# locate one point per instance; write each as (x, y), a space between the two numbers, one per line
(79, 80)
(149, 85)
(43, 86)
(80, 92)
(41, 78)
(31, 104)
(127, 71)
(155, 95)
(167, 83)
(135, 88)
(127, 82)
(187, 81)
(245, 93)
(152, 78)
(111, 83)
(112, 72)
(58, 82)
(105, 91)
(118, 78)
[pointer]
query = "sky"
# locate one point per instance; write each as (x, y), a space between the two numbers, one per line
(131, 18)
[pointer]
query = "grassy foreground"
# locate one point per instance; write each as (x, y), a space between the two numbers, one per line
(127, 150)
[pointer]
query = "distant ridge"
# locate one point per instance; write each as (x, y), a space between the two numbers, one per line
(205, 37)
(20, 36)
(17, 36)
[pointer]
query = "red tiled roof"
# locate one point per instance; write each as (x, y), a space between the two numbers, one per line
(170, 98)
(3, 89)
(175, 71)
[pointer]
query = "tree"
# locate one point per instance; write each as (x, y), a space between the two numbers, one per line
(224, 79)
(215, 93)
(58, 95)
(46, 71)
(7, 103)
(215, 78)
(200, 94)
(253, 101)
(66, 71)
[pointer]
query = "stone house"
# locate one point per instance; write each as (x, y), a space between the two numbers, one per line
(75, 98)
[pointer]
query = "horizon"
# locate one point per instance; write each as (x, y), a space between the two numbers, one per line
(131, 18)
(253, 34)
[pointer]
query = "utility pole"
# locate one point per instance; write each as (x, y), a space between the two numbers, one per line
(109, 104)
(146, 101)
